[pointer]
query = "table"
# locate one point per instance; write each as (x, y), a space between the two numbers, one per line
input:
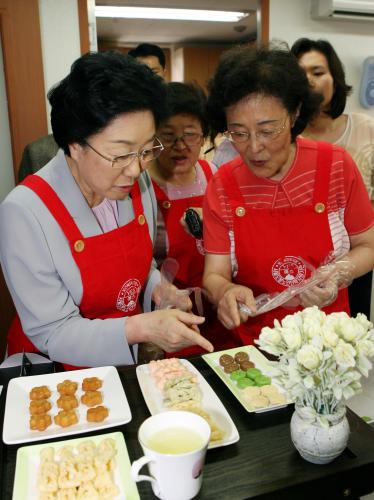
(263, 465)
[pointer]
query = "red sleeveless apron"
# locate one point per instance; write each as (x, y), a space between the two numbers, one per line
(189, 253)
(270, 243)
(113, 266)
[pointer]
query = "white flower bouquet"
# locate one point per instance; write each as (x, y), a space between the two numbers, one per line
(321, 358)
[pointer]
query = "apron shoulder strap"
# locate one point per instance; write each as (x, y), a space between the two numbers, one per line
(206, 169)
(54, 204)
(160, 194)
(136, 197)
(322, 178)
(231, 187)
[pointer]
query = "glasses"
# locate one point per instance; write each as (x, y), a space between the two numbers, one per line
(145, 155)
(264, 136)
(189, 138)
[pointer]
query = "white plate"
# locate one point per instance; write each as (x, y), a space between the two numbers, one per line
(16, 421)
(28, 460)
(258, 359)
(210, 402)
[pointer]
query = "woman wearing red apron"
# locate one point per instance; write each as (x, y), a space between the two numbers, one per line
(179, 180)
(284, 202)
(76, 238)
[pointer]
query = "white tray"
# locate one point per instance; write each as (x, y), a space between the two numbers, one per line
(28, 460)
(210, 402)
(261, 363)
(16, 420)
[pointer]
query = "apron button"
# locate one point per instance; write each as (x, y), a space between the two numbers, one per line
(166, 204)
(319, 208)
(141, 219)
(240, 211)
(79, 246)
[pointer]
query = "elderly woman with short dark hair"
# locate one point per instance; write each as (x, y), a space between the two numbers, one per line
(76, 239)
(285, 203)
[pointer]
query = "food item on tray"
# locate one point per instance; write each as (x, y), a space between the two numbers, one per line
(226, 359)
(41, 392)
(91, 384)
(92, 398)
(261, 380)
(179, 389)
(78, 475)
(38, 407)
(231, 368)
(97, 414)
(245, 382)
(66, 418)
(253, 373)
(40, 422)
(241, 356)
(67, 387)
(67, 402)
(245, 365)
(216, 433)
(237, 374)
(164, 370)
(262, 397)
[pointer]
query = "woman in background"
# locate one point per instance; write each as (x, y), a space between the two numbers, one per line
(353, 131)
(180, 179)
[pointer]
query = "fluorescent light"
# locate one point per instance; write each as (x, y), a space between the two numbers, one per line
(172, 14)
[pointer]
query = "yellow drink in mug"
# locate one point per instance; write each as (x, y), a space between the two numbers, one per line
(174, 445)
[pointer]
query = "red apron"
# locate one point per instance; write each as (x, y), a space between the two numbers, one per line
(189, 253)
(270, 242)
(113, 266)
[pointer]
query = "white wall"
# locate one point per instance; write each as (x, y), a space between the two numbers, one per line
(59, 26)
(6, 165)
(352, 40)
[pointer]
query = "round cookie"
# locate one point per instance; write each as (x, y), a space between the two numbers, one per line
(261, 380)
(241, 356)
(225, 360)
(253, 373)
(231, 368)
(246, 364)
(245, 382)
(237, 375)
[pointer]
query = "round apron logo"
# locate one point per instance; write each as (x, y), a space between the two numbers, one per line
(288, 270)
(128, 295)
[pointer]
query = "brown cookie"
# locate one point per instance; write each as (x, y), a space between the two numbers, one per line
(241, 356)
(40, 422)
(41, 392)
(226, 359)
(65, 418)
(92, 398)
(245, 365)
(97, 414)
(67, 402)
(39, 407)
(67, 387)
(91, 384)
(231, 368)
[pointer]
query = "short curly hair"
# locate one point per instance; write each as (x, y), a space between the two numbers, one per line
(99, 87)
(341, 88)
(274, 72)
(187, 98)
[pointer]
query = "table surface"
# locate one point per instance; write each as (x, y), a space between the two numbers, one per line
(262, 465)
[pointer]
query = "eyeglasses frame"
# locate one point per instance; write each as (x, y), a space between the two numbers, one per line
(275, 135)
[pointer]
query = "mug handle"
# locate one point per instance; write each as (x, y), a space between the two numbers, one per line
(135, 469)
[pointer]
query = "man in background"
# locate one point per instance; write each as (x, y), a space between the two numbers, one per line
(151, 55)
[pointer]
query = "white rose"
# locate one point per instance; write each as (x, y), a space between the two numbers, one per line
(311, 327)
(314, 314)
(270, 336)
(349, 330)
(330, 338)
(309, 356)
(362, 320)
(292, 338)
(345, 354)
(292, 321)
(366, 347)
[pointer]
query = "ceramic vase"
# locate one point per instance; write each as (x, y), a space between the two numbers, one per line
(317, 443)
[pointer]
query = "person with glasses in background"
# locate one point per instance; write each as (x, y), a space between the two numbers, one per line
(76, 239)
(353, 131)
(180, 179)
(276, 212)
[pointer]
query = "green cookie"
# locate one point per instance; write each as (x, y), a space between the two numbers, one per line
(261, 380)
(245, 382)
(253, 373)
(237, 374)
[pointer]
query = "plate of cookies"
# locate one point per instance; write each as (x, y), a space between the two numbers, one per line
(247, 373)
(59, 404)
(175, 384)
(94, 467)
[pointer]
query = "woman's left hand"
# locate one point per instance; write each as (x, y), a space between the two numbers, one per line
(182, 220)
(320, 295)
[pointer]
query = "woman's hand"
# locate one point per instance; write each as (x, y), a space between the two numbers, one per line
(170, 329)
(182, 220)
(228, 306)
(167, 296)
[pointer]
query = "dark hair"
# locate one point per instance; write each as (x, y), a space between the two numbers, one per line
(272, 72)
(148, 49)
(187, 98)
(341, 89)
(99, 87)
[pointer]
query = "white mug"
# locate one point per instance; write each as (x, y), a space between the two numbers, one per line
(174, 475)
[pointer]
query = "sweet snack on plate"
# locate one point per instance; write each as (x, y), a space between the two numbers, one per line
(179, 389)
(38, 407)
(91, 384)
(245, 382)
(246, 364)
(92, 398)
(97, 414)
(67, 387)
(241, 356)
(237, 374)
(231, 368)
(65, 418)
(226, 359)
(262, 397)
(164, 370)
(67, 402)
(41, 392)
(40, 422)
(253, 373)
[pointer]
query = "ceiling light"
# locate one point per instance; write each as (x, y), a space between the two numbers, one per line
(171, 14)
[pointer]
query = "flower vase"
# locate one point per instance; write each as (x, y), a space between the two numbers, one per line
(321, 439)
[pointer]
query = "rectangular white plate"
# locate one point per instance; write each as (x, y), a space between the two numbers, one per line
(28, 460)
(210, 402)
(16, 420)
(257, 358)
